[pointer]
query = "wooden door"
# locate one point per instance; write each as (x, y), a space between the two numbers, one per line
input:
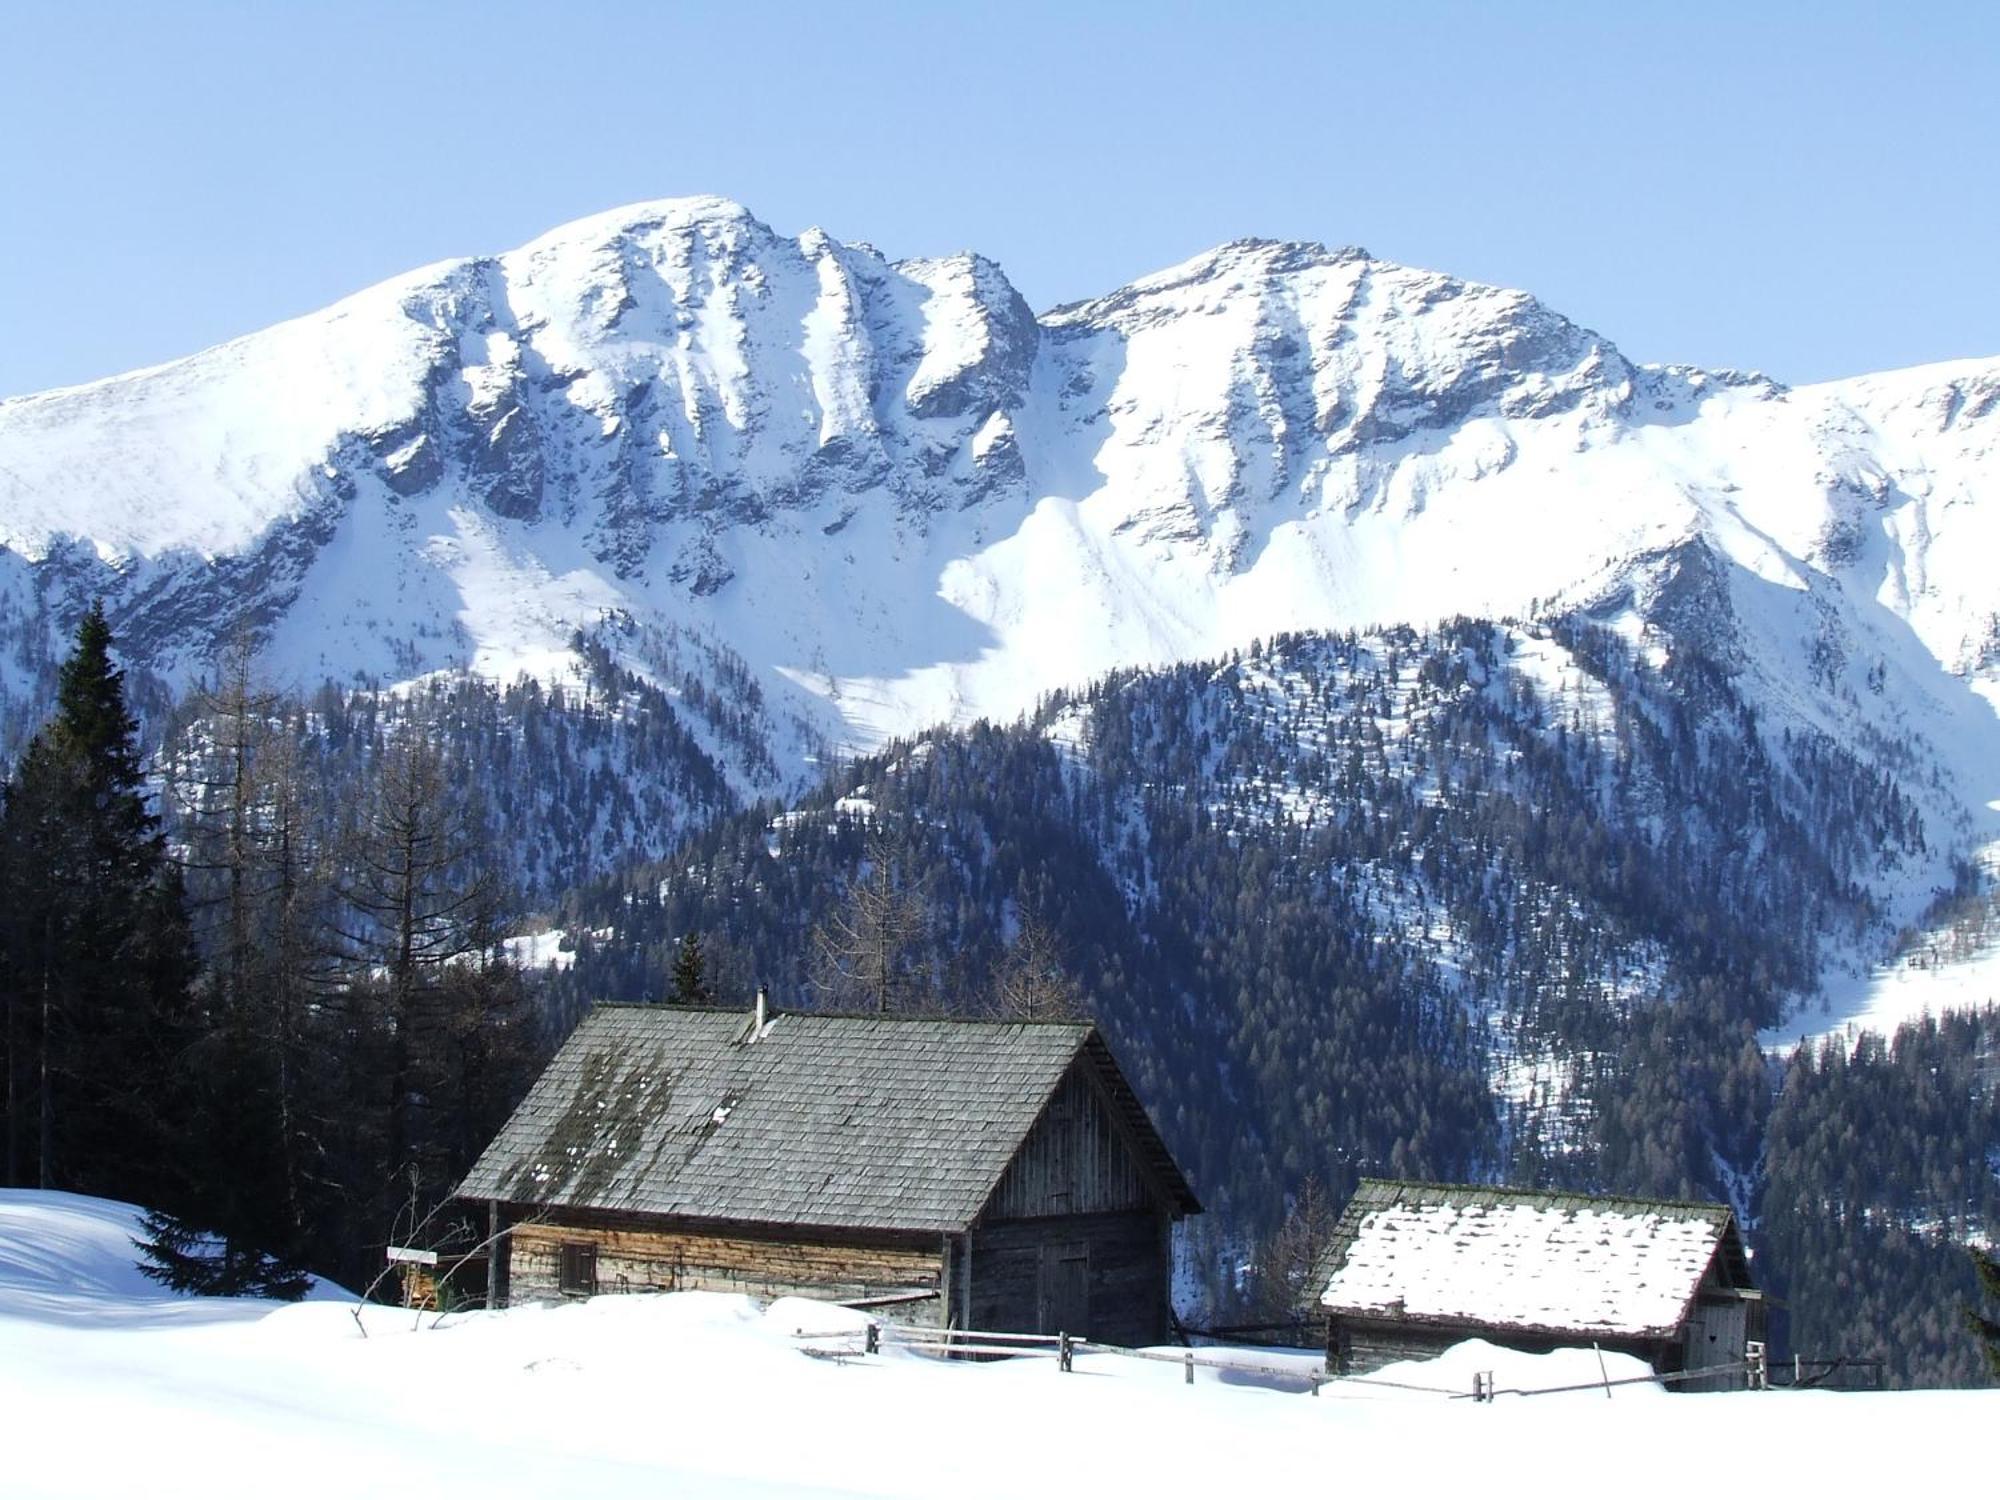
(1065, 1288)
(1715, 1336)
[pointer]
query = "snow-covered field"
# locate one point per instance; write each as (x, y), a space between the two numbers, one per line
(108, 1388)
(1892, 994)
(1954, 965)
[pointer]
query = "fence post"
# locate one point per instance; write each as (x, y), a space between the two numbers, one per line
(1602, 1373)
(1190, 1367)
(873, 1342)
(1063, 1352)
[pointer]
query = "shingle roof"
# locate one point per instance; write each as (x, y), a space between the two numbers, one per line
(1510, 1258)
(826, 1121)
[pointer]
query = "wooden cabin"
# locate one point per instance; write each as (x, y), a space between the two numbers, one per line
(986, 1175)
(1414, 1267)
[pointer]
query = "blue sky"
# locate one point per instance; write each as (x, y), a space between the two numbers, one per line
(1810, 189)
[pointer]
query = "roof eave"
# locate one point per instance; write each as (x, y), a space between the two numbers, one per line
(1468, 1320)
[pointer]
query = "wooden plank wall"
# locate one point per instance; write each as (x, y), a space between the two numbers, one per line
(1360, 1347)
(1016, 1268)
(1073, 1162)
(645, 1260)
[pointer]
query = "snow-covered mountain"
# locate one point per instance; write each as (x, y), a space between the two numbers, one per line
(1695, 714)
(901, 498)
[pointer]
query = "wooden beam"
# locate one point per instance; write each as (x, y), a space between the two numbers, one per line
(497, 1248)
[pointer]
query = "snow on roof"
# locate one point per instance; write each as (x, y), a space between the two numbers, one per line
(1506, 1258)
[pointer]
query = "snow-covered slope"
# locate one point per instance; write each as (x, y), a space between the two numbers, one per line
(903, 499)
(704, 1395)
(891, 484)
(58, 1250)
(71, 1260)
(1950, 963)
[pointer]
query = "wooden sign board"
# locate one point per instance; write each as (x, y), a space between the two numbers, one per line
(413, 1257)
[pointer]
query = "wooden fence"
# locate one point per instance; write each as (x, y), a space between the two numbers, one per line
(1756, 1372)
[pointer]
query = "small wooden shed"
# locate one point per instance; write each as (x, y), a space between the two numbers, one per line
(985, 1175)
(1414, 1267)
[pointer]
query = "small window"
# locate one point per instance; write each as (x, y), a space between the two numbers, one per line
(579, 1269)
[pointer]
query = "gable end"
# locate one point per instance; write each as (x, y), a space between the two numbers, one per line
(1074, 1161)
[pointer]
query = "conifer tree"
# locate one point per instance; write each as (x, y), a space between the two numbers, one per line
(190, 1260)
(691, 986)
(97, 962)
(1987, 1328)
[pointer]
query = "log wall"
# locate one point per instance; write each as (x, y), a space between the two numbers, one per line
(1356, 1348)
(631, 1258)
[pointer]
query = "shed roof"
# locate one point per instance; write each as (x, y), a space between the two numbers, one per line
(823, 1121)
(1526, 1260)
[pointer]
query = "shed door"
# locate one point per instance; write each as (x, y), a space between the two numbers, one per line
(1065, 1288)
(1715, 1336)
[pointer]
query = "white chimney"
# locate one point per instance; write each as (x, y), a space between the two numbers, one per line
(757, 1029)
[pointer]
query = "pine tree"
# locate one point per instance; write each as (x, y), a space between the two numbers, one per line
(98, 962)
(183, 1257)
(691, 986)
(1987, 1328)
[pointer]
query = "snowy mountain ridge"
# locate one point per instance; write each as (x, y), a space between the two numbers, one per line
(902, 499)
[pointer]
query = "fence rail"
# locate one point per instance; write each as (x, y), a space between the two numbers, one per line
(1063, 1348)
(1829, 1374)
(1488, 1391)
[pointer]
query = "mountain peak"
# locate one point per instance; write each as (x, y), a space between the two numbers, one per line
(893, 490)
(1250, 260)
(651, 215)
(1281, 255)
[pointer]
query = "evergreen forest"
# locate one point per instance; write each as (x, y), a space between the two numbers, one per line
(1494, 901)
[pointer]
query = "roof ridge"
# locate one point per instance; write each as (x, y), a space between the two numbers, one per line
(774, 1011)
(1508, 1190)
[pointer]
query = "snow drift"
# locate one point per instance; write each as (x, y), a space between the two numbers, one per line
(706, 1395)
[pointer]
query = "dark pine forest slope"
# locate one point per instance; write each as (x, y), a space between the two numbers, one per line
(1492, 901)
